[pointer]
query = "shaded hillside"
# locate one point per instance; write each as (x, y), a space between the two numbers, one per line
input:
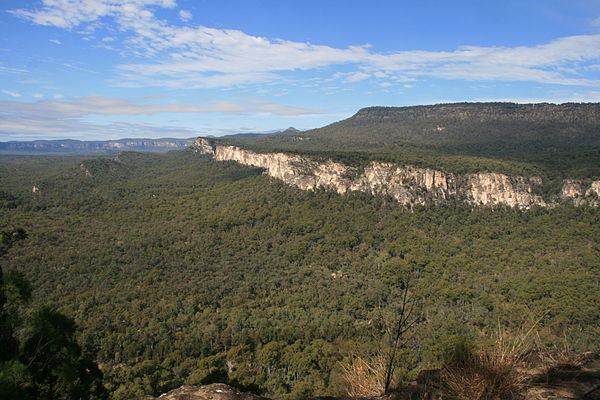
(485, 129)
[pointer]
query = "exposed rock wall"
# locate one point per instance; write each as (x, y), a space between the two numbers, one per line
(576, 192)
(492, 188)
(407, 184)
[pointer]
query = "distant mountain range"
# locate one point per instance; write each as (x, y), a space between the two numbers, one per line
(97, 147)
(289, 131)
(143, 145)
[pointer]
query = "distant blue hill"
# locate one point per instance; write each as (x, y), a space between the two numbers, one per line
(69, 146)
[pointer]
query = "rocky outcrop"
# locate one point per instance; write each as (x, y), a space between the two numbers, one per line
(215, 391)
(408, 185)
(594, 190)
(575, 192)
(493, 188)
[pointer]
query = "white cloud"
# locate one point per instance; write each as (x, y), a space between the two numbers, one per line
(352, 76)
(9, 70)
(543, 63)
(72, 13)
(55, 41)
(201, 57)
(10, 93)
(100, 105)
(194, 81)
(38, 95)
(14, 124)
(185, 15)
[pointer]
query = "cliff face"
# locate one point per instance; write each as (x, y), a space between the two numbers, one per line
(407, 184)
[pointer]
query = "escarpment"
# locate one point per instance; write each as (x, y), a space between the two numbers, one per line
(409, 185)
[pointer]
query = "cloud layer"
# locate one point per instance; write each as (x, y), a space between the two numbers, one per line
(65, 117)
(203, 57)
(102, 105)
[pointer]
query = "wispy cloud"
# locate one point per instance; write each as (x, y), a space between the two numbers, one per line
(20, 128)
(101, 105)
(185, 15)
(55, 41)
(544, 63)
(8, 70)
(204, 57)
(10, 93)
(16, 125)
(66, 117)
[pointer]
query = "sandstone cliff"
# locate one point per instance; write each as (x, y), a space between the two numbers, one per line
(409, 185)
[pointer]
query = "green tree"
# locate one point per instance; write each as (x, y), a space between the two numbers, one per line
(54, 359)
(50, 364)
(8, 343)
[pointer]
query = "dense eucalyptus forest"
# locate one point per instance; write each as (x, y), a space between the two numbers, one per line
(180, 270)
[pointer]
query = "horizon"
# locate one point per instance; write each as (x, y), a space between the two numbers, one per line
(97, 70)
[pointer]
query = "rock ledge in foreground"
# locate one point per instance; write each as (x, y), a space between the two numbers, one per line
(215, 391)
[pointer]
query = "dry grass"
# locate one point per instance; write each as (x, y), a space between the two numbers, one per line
(492, 373)
(486, 376)
(363, 378)
(556, 361)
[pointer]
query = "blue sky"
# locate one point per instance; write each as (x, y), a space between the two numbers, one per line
(100, 69)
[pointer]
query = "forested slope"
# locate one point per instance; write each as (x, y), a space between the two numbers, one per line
(180, 270)
(485, 129)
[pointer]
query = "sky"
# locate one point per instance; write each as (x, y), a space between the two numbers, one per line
(105, 69)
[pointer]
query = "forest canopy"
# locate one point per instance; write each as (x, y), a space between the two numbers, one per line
(178, 269)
